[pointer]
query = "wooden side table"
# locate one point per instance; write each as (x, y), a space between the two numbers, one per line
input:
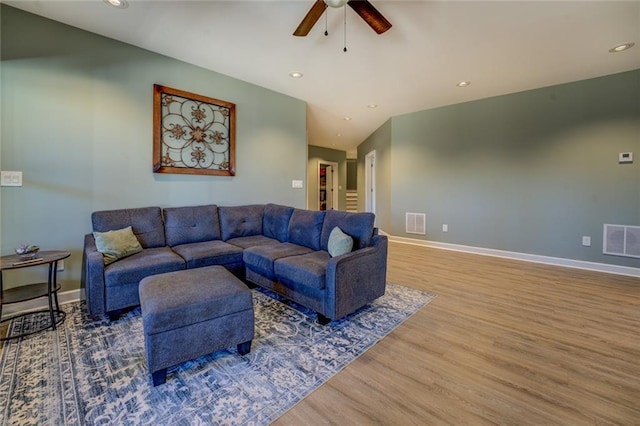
(34, 291)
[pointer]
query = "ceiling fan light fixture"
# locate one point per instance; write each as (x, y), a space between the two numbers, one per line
(621, 47)
(120, 4)
(335, 3)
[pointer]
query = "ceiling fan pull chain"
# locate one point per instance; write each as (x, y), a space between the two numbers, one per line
(326, 30)
(345, 29)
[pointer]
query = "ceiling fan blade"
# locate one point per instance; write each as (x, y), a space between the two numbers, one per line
(312, 17)
(370, 15)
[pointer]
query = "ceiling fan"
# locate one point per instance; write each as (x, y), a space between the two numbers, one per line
(363, 8)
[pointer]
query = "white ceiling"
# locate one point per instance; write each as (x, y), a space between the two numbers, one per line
(501, 47)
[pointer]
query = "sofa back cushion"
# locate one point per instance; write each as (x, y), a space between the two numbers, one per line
(185, 225)
(146, 223)
(275, 223)
(305, 227)
(358, 226)
(240, 221)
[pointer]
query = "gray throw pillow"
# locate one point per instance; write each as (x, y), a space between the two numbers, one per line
(339, 242)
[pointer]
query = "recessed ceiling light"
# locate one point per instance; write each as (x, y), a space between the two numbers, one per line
(463, 84)
(347, 119)
(295, 74)
(621, 47)
(372, 106)
(120, 4)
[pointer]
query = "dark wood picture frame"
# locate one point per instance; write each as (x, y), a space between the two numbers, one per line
(192, 134)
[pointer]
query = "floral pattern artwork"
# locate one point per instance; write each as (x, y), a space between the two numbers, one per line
(192, 134)
(93, 372)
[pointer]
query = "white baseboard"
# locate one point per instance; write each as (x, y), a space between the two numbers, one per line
(557, 261)
(40, 303)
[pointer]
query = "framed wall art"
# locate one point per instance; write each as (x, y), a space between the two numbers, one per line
(192, 134)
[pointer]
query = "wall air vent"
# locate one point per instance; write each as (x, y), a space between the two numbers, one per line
(415, 223)
(621, 240)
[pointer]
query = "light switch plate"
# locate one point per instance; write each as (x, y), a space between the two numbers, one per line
(8, 178)
(297, 184)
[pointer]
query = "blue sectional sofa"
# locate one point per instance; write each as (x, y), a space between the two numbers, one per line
(281, 248)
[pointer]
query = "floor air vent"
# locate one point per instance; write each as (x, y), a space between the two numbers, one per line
(621, 240)
(416, 223)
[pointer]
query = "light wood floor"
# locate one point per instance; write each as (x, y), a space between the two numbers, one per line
(505, 342)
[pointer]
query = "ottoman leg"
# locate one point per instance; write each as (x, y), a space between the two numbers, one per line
(159, 377)
(244, 348)
(322, 320)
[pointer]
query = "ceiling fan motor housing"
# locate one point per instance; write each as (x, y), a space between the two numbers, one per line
(335, 3)
(362, 7)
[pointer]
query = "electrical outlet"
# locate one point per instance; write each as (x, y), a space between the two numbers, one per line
(586, 241)
(445, 227)
(60, 265)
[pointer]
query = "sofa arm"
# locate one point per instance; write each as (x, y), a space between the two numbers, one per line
(93, 276)
(356, 278)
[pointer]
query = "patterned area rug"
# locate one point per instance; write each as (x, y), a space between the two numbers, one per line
(94, 372)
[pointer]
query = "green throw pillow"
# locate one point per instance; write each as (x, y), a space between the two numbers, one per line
(339, 242)
(117, 244)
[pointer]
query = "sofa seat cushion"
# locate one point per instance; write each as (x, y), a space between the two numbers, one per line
(134, 268)
(307, 269)
(260, 259)
(209, 253)
(253, 240)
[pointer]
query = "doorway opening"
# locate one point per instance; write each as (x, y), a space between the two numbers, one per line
(327, 185)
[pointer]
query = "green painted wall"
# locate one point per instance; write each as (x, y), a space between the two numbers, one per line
(530, 172)
(380, 142)
(317, 153)
(77, 121)
(352, 174)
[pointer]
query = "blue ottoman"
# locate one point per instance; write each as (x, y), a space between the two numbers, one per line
(193, 312)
